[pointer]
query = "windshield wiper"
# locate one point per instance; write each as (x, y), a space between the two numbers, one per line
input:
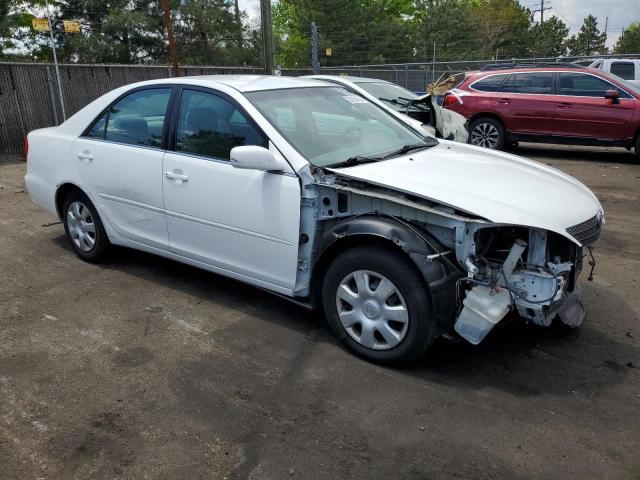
(406, 149)
(357, 160)
(394, 101)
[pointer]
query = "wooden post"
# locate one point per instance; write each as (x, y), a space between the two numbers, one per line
(166, 16)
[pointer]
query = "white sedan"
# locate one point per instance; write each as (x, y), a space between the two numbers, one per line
(307, 190)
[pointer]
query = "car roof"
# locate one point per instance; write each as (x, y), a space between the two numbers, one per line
(348, 78)
(242, 83)
(533, 69)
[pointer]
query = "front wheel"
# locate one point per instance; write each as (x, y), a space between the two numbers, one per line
(377, 304)
(488, 133)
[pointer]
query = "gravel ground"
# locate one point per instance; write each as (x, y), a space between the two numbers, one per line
(146, 368)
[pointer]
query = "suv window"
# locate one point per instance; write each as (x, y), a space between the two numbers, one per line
(489, 84)
(624, 70)
(137, 119)
(583, 85)
(538, 83)
(211, 126)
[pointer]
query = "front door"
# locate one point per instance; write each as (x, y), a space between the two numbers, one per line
(582, 110)
(242, 222)
(120, 162)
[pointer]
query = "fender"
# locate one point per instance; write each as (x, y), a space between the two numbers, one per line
(440, 277)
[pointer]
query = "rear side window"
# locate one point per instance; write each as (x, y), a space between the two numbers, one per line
(210, 126)
(626, 70)
(532, 83)
(489, 84)
(582, 85)
(137, 119)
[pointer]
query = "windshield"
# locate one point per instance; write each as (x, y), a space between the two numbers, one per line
(394, 95)
(329, 125)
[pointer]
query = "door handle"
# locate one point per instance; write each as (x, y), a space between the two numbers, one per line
(504, 101)
(176, 176)
(564, 105)
(85, 156)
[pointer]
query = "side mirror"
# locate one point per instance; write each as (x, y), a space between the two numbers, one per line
(613, 95)
(253, 157)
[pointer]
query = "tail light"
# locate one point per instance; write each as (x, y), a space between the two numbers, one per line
(26, 147)
(449, 100)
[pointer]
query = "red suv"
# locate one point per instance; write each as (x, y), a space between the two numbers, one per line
(550, 103)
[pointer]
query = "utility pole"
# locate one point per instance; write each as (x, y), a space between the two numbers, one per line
(166, 16)
(541, 10)
(606, 24)
(55, 60)
(236, 14)
(315, 65)
(267, 36)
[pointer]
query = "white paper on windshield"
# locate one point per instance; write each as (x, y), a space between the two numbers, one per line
(354, 99)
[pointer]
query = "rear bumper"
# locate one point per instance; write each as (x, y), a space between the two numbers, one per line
(41, 193)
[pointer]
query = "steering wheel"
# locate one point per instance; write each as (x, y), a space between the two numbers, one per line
(353, 135)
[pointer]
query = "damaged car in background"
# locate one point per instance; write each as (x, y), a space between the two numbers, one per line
(422, 112)
(304, 189)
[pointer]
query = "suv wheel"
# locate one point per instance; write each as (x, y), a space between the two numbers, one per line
(487, 132)
(376, 302)
(83, 227)
(636, 148)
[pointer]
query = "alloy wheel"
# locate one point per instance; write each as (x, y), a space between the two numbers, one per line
(485, 135)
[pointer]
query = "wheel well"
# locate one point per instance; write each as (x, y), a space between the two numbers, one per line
(338, 247)
(61, 193)
(487, 115)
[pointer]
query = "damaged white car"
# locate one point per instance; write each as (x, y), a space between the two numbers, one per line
(420, 112)
(314, 193)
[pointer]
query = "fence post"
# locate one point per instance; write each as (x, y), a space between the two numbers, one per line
(406, 75)
(315, 65)
(52, 97)
(433, 64)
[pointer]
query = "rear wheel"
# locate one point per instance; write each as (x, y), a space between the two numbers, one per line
(83, 227)
(636, 148)
(377, 304)
(488, 133)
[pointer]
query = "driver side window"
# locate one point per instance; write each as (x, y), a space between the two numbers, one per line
(210, 126)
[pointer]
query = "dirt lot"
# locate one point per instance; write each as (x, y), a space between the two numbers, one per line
(145, 368)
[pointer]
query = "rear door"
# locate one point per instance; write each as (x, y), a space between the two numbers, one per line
(119, 160)
(582, 110)
(525, 102)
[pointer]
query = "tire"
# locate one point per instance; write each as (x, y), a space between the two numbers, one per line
(636, 148)
(370, 327)
(83, 228)
(487, 132)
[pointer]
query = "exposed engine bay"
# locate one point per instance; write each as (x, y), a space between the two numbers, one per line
(477, 271)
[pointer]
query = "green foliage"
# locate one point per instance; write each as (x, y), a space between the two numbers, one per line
(548, 38)
(629, 41)
(589, 40)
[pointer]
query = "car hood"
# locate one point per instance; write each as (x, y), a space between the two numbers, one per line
(495, 186)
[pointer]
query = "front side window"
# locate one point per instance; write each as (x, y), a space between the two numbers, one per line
(489, 84)
(531, 83)
(137, 119)
(625, 70)
(329, 125)
(582, 85)
(210, 126)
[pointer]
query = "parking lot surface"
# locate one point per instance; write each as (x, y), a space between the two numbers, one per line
(146, 368)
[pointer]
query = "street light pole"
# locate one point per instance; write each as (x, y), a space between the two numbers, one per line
(267, 36)
(55, 60)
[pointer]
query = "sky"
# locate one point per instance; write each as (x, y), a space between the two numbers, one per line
(572, 12)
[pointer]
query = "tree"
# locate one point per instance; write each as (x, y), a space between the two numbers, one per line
(548, 38)
(502, 27)
(629, 41)
(589, 40)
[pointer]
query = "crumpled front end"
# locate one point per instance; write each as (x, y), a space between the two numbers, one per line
(531, 271)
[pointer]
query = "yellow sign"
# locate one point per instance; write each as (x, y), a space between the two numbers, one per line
(71, 26)
(40, 24)
(328, 52)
